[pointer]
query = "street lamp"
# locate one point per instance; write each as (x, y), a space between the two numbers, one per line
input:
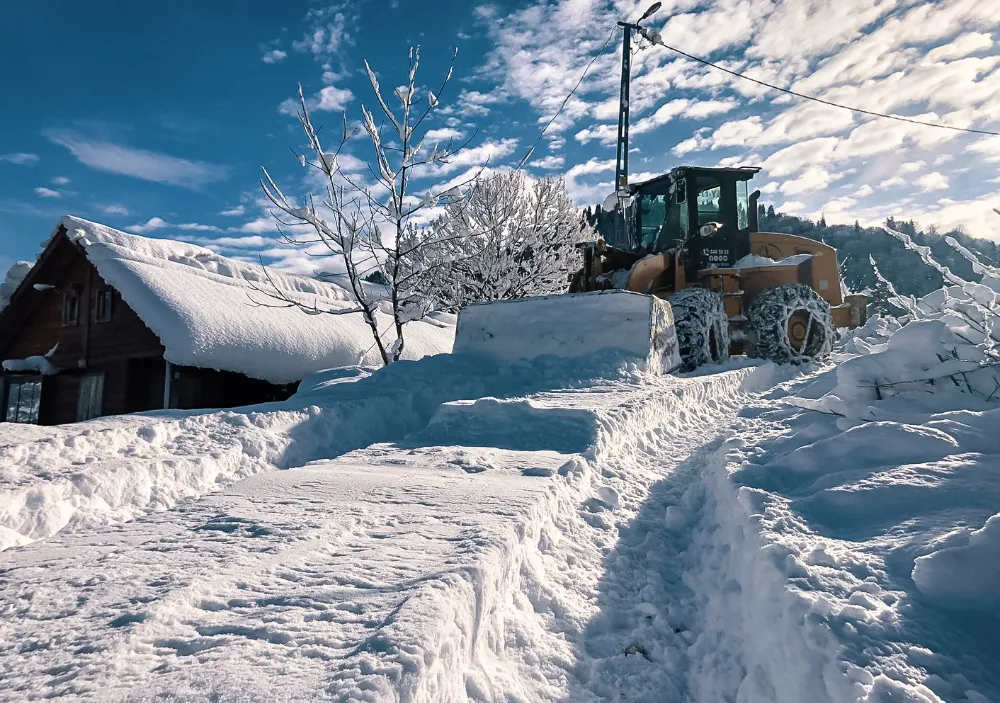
(652, 9)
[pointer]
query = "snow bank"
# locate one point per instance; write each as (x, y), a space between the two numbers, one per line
(110, 470)
(214, 312)
(860, 538)
(966, 575)
(572, 325)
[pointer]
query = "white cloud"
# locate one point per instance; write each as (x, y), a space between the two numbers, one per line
(332, 98)
(686, 146)
(593, 191)
(258, 225)
(604, 133)
(328, 99)
(474, 103)
(706, 108)
(442, 134)
(988, 146)
(590, 167)
(552, 161)
(138, 163)
(489, 152)
(791, 206)
(812, 179)
(60, 180)
(791, 159)
(864, 191)
(47, 193)
(157, 223)
(328, 31)
(251, 242)
(233, 211)
(729, 27)
(932, 181)
(679, 108)
(274, 56)
(663, 114)
(963, 45)
(894, 182)
(972, 214)
(115, 210)
(151, 225)
(20, 158)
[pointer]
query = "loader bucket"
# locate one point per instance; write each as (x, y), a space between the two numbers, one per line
(572, 325)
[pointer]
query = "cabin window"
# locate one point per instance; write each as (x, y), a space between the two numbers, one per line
(23, 398)
(102, 305)
(653, 212)
(71, 307)
(742, 205)
(709, 198)
(91, 399)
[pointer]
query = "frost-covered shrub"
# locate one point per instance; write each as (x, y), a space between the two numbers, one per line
(513, 237)
(945, 341)
(870, 337)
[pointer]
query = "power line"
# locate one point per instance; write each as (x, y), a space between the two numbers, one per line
(566, 99)
(650, 37)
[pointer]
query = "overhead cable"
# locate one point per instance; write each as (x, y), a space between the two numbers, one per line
(654, 37)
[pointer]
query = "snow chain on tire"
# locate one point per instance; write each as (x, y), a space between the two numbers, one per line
(702, 327)
(794, 310)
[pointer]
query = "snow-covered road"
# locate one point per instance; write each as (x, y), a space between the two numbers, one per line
(465, 561)
(720, 537)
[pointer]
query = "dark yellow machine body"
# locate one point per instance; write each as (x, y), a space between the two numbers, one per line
(820, 272)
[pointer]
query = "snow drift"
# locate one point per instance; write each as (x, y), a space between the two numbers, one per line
(108, 470)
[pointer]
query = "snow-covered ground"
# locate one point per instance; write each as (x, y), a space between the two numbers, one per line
(555, 530)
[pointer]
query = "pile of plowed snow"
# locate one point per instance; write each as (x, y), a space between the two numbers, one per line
(83, 476)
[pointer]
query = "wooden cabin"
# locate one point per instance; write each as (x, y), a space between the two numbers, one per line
(109, 323)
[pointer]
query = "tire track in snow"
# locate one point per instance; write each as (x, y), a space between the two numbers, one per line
(621, 615)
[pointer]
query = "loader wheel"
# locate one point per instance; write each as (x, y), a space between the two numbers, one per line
(702, 327)
(790, 324)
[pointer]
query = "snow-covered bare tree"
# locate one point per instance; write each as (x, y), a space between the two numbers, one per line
(369, 224)
(514, 237)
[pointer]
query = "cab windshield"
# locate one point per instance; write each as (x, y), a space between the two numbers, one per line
(652, 214)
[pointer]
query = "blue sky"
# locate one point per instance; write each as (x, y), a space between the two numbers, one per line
(156, 118)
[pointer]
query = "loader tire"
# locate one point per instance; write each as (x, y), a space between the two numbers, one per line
(702, 327)
(790, 324)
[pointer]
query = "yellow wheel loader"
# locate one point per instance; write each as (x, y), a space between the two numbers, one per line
(691, 236)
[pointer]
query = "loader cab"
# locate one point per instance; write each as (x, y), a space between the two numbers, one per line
(707, 214)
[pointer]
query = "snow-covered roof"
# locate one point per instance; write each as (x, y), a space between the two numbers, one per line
(214, 312)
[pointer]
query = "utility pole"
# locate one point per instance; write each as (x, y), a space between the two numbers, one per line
(621, 163)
